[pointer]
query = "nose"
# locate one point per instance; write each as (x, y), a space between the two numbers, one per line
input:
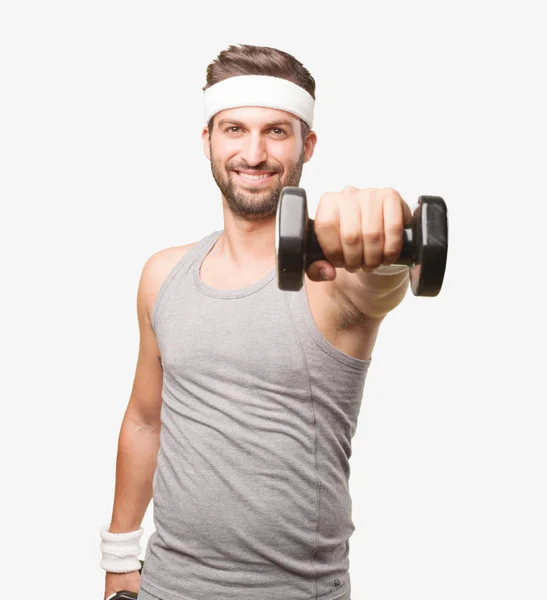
(254, 149)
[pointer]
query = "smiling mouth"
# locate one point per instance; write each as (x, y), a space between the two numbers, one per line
(247, 177)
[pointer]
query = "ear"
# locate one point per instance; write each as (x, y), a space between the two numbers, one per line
(206, 142)
(309, 145)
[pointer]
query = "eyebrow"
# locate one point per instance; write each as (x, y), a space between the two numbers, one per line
(269, 124)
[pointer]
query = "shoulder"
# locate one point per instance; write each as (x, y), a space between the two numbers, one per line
(155, 271)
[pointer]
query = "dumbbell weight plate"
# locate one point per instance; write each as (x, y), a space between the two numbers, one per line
(290, 238)
(430, 246)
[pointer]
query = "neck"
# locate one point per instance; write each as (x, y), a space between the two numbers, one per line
(245, 244)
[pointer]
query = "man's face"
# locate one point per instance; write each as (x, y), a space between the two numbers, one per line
(265, 144)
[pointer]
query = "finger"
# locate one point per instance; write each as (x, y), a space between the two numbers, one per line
(372, 223)
(393, 228)
(351, 236)
(314, 271)
(326, 227)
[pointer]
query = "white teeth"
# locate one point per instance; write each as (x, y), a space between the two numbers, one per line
(253, 177)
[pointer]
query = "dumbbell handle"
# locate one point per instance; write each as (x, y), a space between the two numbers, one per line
(406, 257)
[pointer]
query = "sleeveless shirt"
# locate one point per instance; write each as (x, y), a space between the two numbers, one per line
(251, 489)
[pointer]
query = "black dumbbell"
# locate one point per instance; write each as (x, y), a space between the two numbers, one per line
(425, 243)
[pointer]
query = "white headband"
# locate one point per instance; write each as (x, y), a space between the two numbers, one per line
(259, 90)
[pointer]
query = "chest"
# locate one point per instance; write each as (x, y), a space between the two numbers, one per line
(337, 321)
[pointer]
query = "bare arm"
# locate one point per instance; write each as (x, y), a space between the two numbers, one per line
(139, 438)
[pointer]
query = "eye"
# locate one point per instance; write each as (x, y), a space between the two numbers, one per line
(279, 129)
(230, 129)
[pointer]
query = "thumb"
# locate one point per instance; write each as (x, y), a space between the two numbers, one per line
(314, 270)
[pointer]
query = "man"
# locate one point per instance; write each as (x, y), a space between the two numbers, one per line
(246, 397)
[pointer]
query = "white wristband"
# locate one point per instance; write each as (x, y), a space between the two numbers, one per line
(120, 550)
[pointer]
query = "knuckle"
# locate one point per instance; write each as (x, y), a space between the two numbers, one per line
(352, 238)
(349, 189)
(391, 192)
(391, 253)
(325, 196)
(323, 223)
(372, 262)
(326, 201)
(372, 237)
(353, 266)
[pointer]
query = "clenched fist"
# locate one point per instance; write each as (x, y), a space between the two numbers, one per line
(358, 229)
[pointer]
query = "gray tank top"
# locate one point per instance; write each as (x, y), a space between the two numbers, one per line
(251, 497)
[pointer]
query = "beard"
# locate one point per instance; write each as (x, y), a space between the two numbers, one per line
(254, 204)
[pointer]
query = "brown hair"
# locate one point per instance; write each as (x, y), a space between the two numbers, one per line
(245, 59)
